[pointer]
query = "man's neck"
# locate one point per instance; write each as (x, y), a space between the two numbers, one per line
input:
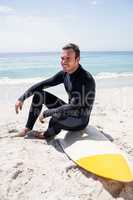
(76, 67)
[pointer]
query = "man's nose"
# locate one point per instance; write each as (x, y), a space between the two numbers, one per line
(64, 62)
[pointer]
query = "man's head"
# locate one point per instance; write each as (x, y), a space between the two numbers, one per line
(70, 57)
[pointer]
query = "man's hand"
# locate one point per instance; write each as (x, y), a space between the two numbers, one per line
(41, 118)
(18, 106)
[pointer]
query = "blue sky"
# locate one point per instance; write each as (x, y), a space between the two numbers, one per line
(46, 25)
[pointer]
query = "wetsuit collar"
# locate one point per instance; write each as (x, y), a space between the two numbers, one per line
(76, 72)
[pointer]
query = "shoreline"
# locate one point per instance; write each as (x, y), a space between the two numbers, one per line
(113, 78)
(12, 91)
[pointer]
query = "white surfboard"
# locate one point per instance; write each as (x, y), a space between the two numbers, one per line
(92, 151)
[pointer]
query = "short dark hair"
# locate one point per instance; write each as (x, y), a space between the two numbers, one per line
(74, 47)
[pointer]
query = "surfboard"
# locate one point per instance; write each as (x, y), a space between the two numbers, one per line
(94, 152)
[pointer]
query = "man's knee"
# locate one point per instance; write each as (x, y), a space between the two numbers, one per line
(38, 99)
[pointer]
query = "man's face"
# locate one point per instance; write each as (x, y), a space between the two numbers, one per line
(69, 61)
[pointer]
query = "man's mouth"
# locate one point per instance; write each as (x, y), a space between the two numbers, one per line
(65, 66)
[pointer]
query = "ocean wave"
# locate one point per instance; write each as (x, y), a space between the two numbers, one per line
(29, 66)
(99, 76)
(108, 75)
(11, 81)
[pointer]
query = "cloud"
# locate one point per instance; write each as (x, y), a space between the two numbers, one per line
(6, 10)
(27, 33)
(93, 2)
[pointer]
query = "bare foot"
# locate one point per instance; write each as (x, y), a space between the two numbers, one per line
(39, 135)
(23, 132)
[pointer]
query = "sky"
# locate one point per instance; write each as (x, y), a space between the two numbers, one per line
(47, 25)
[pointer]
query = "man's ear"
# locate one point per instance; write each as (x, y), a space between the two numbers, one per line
(78, 59)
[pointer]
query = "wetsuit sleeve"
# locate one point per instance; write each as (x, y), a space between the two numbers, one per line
(62, 109)
(84, 100)
(55, 80)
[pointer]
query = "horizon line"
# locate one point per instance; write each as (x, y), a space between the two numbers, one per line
(54, 51)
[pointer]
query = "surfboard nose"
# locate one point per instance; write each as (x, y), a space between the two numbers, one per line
(112, 166)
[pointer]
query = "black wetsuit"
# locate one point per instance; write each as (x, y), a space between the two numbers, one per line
(73, 115)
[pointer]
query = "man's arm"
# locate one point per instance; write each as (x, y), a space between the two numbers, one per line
(83, 99)
(62, 109)
(55, 80)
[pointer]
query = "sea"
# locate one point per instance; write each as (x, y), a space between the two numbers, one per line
(16, 68)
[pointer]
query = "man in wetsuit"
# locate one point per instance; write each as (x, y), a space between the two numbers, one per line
(80, 87)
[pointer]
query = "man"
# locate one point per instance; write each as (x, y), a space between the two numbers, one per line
(80, 87)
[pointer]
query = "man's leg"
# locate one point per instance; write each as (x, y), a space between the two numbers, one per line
(69, 123)
(40, 98)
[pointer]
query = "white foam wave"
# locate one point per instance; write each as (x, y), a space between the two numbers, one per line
(99, 76)
(9, 81)
(108, 75)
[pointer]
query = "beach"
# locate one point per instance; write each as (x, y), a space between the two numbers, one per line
(72, 44)
(33, 169)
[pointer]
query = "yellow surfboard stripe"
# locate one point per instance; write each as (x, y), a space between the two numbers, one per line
(112, 166)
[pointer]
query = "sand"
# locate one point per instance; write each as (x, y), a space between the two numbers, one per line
(34, 169)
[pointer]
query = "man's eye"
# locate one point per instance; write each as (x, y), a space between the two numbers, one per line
(67, 58)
